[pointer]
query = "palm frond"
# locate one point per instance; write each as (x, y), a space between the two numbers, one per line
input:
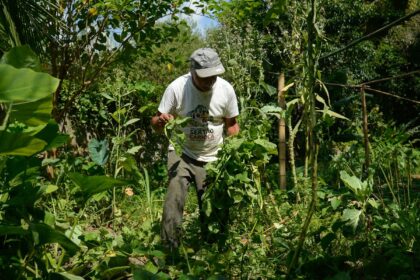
(31, 22)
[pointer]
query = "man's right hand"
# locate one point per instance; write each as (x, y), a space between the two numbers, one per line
(160, 120)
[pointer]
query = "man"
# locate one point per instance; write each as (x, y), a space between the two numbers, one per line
(211, 103)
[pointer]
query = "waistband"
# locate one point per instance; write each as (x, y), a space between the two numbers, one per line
(193, 161)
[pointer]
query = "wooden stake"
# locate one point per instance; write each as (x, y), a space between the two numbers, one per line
(365, 130)
(282, 134)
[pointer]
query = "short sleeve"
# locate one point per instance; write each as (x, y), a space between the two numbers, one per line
(232, 109)
(168, 102)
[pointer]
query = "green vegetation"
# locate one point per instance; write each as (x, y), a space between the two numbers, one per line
(83, 175)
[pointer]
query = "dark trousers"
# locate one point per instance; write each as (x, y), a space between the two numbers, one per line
(182, 172)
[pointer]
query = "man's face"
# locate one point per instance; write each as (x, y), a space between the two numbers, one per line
(203, 84)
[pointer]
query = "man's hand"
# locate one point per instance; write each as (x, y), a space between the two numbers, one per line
(164, 118)
(232, 127)
(160, 120)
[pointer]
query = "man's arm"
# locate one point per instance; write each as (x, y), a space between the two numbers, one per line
(232, 127)
(159, 121)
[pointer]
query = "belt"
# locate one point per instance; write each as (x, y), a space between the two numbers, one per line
(193, 161)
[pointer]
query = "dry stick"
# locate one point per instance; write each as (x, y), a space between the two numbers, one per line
(365, 131)
(282, 134)
(392, 95)
(376, 90)
(355, 42)
(392, 77)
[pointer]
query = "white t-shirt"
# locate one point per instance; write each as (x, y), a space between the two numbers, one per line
(204, 133)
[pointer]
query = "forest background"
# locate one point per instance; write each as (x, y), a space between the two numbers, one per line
(83, 174)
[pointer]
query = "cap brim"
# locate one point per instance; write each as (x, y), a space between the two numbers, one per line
(208, 72)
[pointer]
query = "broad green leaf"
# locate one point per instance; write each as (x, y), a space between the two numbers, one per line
(142, 274)
(234, 143)
(131, 121)
(20, 85)
(242, 177)
(12, 230)
(335, 202)
(273, 110)
(134, 150)
(373, 203)
(113, 272)
(49, 218)
(22, 57)
(158, 254)
(117, 115)
(47, 189)
(107, 96)
(151, 267)
(33, 113)
(90, 185)
(333, 114)
(47, 235)
(359, 188)
(269, 89)
(352, 182)
(20, 144)
(271, 148)
(50, 134)
(351, 217)
(98, 151)
(65, 276)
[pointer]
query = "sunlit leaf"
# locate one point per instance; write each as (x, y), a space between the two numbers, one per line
(21, 57)
(91, 185)
(271, 148)
(335, 202)
(66, 276)
(351, 217)
(19, 144)
(19, 85)
(333, 114)
(33, 113)
(131, 121)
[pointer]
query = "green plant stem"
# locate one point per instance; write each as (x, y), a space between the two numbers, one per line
(292, 133)
(246, 247)
(186, 257)
(312, 147)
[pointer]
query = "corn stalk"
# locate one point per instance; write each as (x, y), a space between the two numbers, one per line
(309, 69)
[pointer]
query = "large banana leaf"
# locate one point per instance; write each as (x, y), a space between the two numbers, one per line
(20, 144)
(23, 85)
(50, 134)
(33, 113)
(22, 57)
